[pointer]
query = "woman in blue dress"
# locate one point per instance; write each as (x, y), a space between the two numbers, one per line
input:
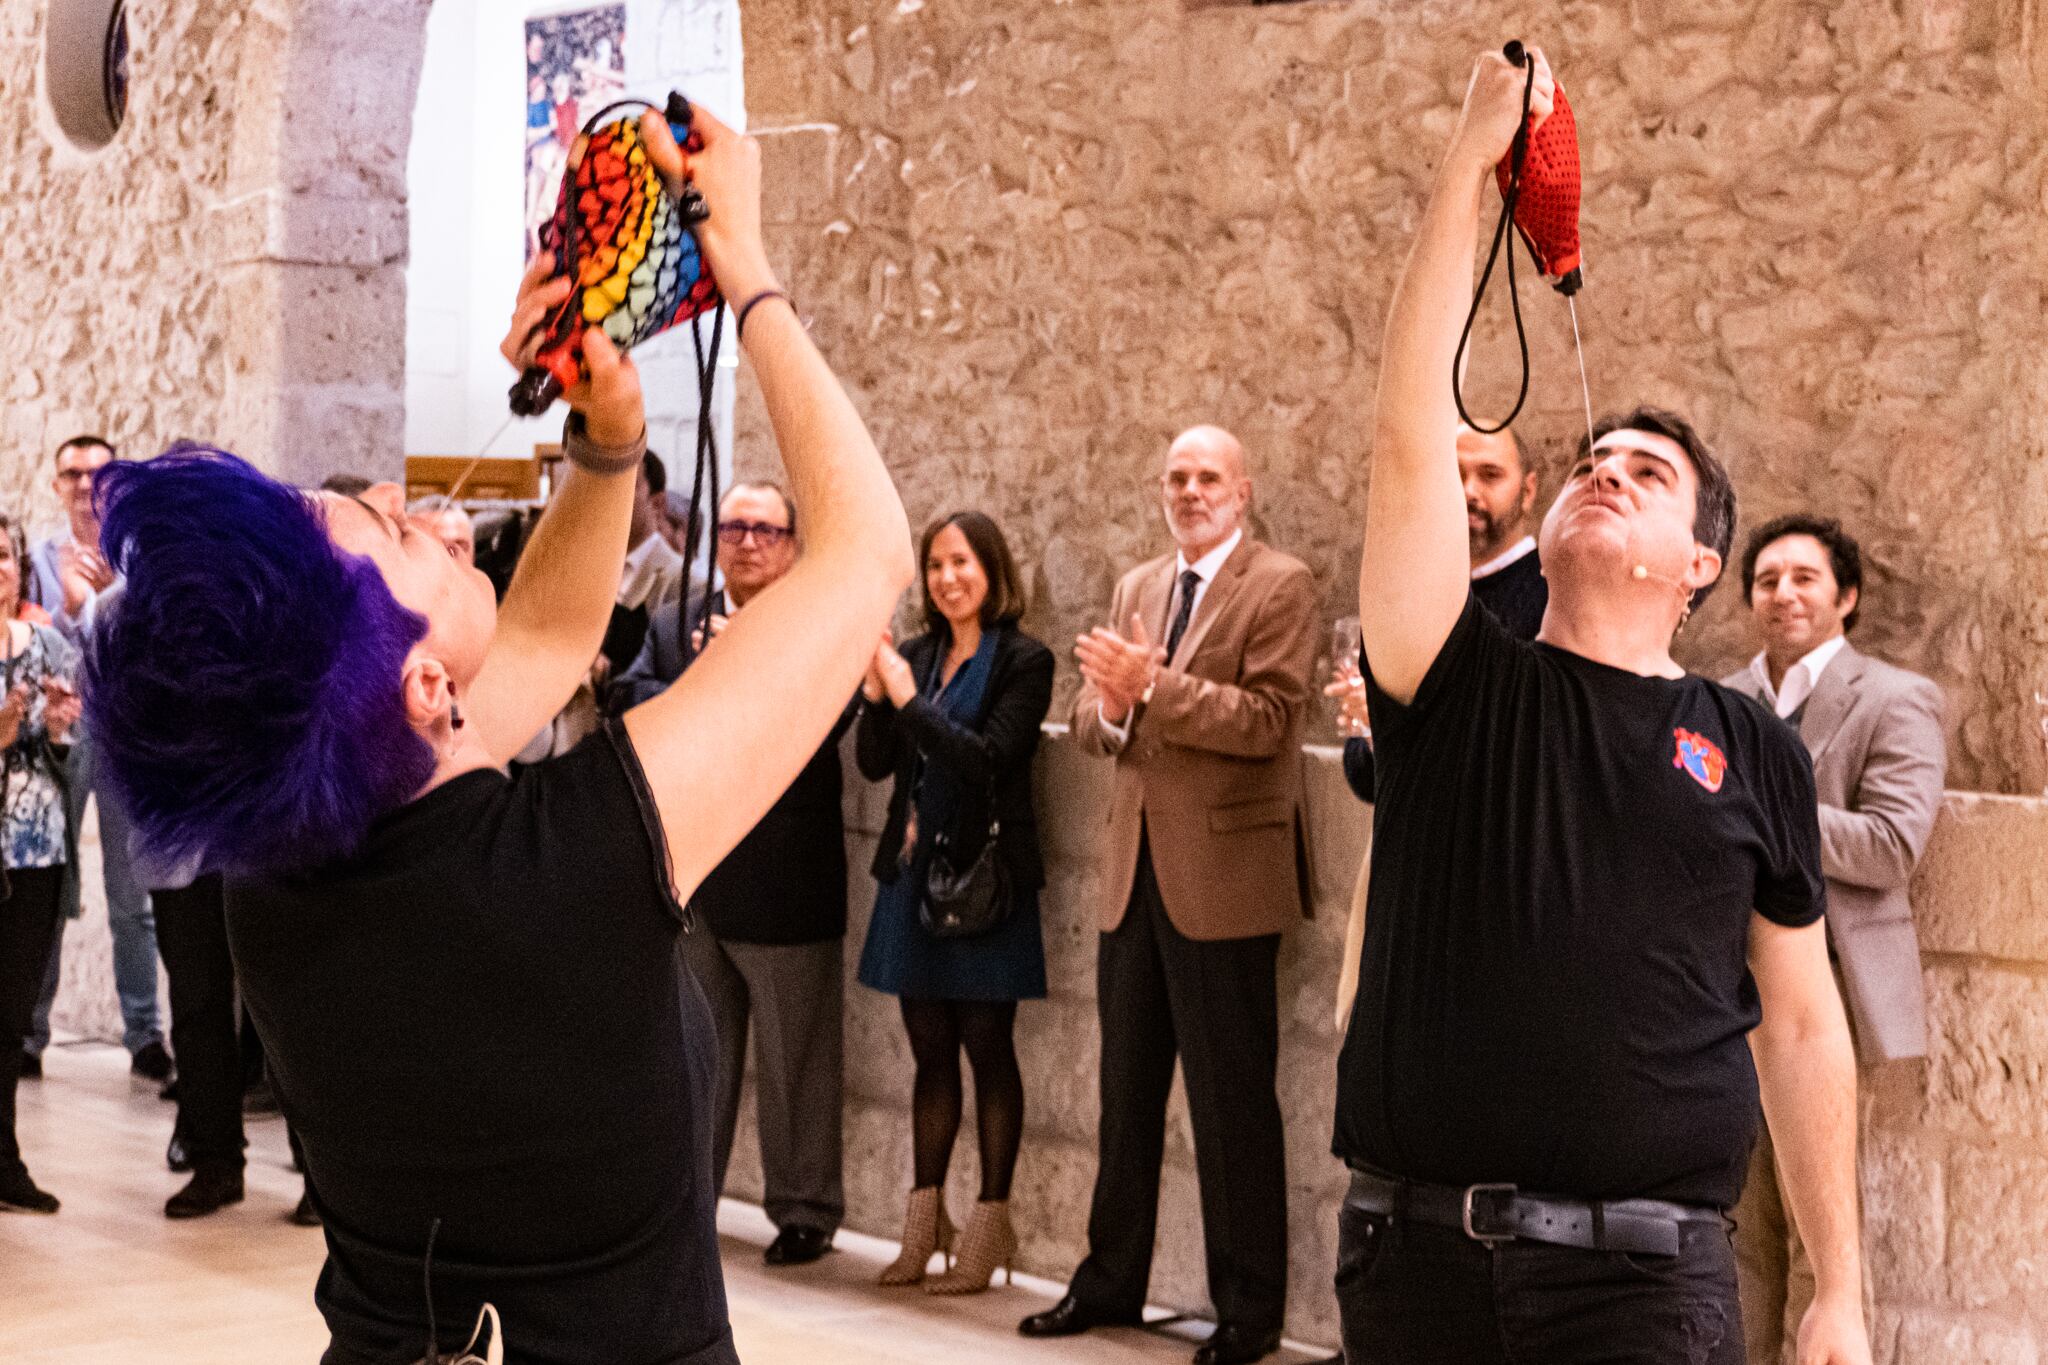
(954, 720)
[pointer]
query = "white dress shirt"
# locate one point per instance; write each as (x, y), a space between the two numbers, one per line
(1800, 679)
(652, 571)
(1206, 569)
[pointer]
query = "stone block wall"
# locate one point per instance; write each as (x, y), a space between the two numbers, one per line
(1038, 239)
(1956, 1147)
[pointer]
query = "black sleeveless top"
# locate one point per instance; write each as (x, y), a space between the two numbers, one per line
(481, 1019)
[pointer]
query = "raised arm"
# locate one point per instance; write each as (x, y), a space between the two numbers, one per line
(722, 744)
(1414, 574)
(1806, 1071)
(554, 615)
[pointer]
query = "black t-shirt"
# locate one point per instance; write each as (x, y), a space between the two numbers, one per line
(1554, 987)
(482, 1019)
(1516, 595)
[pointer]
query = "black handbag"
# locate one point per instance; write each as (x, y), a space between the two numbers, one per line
(966, 902)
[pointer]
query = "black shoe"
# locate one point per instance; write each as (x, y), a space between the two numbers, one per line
(175, 1155)
(1234, 1345)
(19, 1193)
(1070, 1317)
(31, 1066)
(152, 1063)
(797, 1245)
(207, 1192)
(305, 1215)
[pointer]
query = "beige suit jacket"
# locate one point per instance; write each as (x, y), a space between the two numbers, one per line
(1211, 769)
(1879, 756)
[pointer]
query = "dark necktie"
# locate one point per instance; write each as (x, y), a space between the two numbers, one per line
(1189, 581)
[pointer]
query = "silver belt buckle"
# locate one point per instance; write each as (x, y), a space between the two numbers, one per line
(1486, 1238)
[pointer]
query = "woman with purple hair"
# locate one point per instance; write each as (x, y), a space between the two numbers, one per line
(466, 980)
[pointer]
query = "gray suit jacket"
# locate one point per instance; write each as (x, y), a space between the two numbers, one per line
(1879, 756)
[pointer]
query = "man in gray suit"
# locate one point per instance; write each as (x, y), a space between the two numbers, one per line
(1879, 753)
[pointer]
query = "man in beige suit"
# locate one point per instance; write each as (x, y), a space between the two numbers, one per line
(1198, 694)
(1875, 733)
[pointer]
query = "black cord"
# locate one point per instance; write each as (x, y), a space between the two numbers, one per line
(701, 524)
(1507, 212)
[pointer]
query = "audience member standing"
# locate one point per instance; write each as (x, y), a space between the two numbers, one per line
(954, 719)
(38, 706)
(1507, 572)
(773, 915)
(1879, 755)
(69, 572)
(447, 522)
(1204, 873)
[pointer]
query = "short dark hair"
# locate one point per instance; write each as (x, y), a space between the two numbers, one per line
(1713, 508)
(1845, 556)
(655, 472)
(348, 485)
(1005, 601)
(245, 695)
(85, 439)
(765, 486)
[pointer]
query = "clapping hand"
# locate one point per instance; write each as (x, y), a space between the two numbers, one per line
(83, 571)
(61, 708)
(892, 671)
(1119, 667)
(718, 625)
(14, 710)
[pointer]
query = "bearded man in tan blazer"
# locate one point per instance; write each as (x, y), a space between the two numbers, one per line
(1198, 694)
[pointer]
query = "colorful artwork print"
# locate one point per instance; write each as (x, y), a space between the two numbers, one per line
(1701, 759)
(575, 66)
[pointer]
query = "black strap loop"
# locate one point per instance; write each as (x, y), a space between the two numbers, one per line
(1513, 196)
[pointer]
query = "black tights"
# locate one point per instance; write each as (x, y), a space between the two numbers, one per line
(938, 1030)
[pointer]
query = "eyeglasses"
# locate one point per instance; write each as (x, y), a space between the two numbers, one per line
(736, 533)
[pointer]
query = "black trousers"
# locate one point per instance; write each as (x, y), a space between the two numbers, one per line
(1411, 1293)
(28, 921)
(1159, 993)
(192, 936)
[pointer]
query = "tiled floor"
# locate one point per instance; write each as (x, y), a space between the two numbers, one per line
(109, 1281)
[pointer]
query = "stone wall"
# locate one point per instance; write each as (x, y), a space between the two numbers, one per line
(230, 267)
(1038, 239)
(1956, 1178)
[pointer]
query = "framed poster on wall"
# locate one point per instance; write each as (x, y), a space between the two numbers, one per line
(575, 65)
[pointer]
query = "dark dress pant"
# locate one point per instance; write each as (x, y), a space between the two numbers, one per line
(1415, 1294)
(1214, 1004)
(192, 936)
(28, 919)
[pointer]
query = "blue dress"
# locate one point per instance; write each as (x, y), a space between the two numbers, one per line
(900, 958)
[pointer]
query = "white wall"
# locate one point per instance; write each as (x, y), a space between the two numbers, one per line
(466, 177)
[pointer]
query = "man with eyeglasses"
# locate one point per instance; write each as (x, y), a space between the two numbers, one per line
(68, 572)
(773, 913)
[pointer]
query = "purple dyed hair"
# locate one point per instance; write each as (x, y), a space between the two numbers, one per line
(244, 693)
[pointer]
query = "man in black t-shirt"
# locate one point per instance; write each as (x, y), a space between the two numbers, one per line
(1593, 933)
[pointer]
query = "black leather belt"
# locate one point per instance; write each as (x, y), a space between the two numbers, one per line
(1493, 1214)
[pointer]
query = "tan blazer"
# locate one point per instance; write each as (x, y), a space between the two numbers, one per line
(1879, 756)
(1212, 766)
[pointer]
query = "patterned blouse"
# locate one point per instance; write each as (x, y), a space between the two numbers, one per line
(32, 806)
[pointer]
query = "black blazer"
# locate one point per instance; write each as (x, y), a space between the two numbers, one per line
(1019, 694)
(785, 882)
